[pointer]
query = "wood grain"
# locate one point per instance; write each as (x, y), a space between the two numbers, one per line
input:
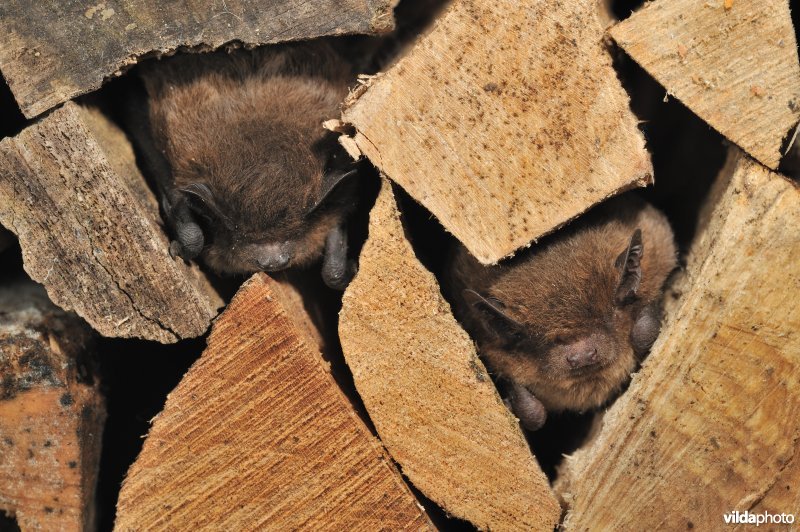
(90, 232)
(257, 436)
(428, 394)
(505, 121)
(783, 496)
(51, 413)
(710, 423)
(51, 52)
(736, 67)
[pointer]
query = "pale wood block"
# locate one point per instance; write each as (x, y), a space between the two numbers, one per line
(732, 62)
(429, 395)
(505, 121)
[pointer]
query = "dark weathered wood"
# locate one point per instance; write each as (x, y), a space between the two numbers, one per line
(710, 425)
(90, 232)
(51, 413)
(429, 395)
(732, 62)
(505, 121)
(53, 51)
(258, 436)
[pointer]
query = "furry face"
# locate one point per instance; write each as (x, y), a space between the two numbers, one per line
(569, 320)
(253, 177)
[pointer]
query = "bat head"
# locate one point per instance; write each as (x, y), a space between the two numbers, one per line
(242, 132)
(571, 320)
(277, 216)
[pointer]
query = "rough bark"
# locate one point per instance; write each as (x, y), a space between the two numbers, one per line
(734, 63)
(258, 436)
(51, 413)
(90, 232)
(429, 396)
(709, 425)
(51, 52)
(504, 121)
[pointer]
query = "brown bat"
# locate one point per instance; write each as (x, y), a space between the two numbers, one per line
(566, 322)
(248, 178)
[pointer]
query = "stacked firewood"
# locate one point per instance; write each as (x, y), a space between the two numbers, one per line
(505, 120)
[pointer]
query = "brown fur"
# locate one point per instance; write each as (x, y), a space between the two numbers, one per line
(247, 124)
(562, 291)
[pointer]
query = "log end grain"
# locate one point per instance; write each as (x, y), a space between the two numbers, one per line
(504, 123)
(257, 434)
(44, 66)
(429, 396)
(735, 66)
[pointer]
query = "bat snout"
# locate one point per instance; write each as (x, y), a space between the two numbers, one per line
(273, 257)
(582, 354)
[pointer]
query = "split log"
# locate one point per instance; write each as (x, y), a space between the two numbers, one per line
(90, 232)
(709, 425)
(258, 436)
(429, 396)
(52, 52)
(51, 414)
(733, 63)
(504, 122)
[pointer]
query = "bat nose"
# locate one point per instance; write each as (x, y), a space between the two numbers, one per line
(582, 357)
(273, 258)
(273, 264)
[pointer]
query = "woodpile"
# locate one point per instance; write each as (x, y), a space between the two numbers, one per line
(499, 127)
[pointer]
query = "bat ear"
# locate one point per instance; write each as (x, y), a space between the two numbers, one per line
(332, 181)
(494, 319)
(202, 200)
(630, 264)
